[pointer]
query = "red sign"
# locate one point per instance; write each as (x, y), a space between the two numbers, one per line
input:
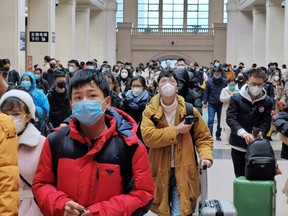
(30, 63)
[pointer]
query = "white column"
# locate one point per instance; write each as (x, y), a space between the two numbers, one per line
(215, 12)
(259, 32)
(13, 35)
(244, 43)
(65, 29)
(41, 19)
(285, 60)
(82, 32)
(232, 32)
(274, 31)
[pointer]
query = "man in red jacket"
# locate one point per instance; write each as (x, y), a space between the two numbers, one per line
(96, 165)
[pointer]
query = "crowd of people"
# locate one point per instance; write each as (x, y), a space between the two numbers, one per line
(112, 139)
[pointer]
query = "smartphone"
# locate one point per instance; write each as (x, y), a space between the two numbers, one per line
(80, 211)
(190, 119)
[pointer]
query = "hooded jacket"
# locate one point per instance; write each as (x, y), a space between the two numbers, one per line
(159, 137)
(243, 114)
(93, 183)
(9, 172)
(213, 90)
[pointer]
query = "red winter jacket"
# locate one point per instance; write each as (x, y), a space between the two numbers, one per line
(88, 176)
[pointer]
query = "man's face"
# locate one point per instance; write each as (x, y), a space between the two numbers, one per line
(60, 80)
(181, 64)
(256, 81)
(37, 72)
(164, 82)
(73, 65)
(7, 66)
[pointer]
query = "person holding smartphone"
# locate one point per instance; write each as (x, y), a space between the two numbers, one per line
(171, 153)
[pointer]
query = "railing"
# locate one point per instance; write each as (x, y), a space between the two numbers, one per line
(173, 31)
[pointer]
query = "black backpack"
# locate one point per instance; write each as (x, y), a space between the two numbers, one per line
(260, 161)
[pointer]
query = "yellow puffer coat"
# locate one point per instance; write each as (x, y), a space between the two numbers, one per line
(160, 138)
(9, 173)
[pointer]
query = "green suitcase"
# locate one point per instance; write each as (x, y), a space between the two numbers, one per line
(254, 198)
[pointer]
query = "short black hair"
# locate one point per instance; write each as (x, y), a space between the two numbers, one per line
(257, 72)
(181, 59)
(73, 61)
(58, 73)
(140, 79)
(38, 69)
(5, 61)
(86, 76)
(165, 73)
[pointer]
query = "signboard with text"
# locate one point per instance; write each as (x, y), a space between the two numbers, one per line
(39, 36)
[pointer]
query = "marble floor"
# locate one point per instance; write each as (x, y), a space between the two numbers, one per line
(221, 176)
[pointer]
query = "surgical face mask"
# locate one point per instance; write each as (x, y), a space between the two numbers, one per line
(61, 85)
(136, 91)
(90, 67)
(37, 76)
(276, 78)
(88, 112)
(216, 64)
(20, 125)
(255, 90)
(231, 88)
(168, 90)
(71, 69)
(26, 84)
(52, 65)
(124, 75)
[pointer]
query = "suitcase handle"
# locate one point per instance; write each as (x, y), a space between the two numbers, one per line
(204, 185)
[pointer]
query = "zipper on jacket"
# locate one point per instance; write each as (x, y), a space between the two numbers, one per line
(97, 173)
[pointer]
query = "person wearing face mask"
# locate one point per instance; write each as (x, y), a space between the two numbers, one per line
(27, 80)
(277, 87)
(20, 107)
(250, 107)
(58, 100)
(225, 96)
(73, 68)
(124, 81)
(12, 75)
(212, 92)
(136, 99)
(98, 154)
(41, 83)
(171, 152)
(49, 74)
(240, 80)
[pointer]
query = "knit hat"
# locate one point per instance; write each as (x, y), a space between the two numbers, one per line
(24, 97)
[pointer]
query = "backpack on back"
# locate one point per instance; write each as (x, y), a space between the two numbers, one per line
(260, 161)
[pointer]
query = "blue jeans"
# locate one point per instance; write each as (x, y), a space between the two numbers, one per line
(211, 114)
(174, 200)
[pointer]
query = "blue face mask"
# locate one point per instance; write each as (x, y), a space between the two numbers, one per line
(88, 112)
(26, 84)
(231, 88)
(71, 69)
(37, 76)
(90, 67)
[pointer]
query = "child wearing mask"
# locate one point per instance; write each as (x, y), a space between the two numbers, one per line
(19, 105)
(225, 96)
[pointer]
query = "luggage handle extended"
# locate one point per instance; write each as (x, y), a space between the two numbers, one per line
(204, 185)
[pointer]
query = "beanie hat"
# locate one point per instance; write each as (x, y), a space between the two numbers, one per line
(24, 97)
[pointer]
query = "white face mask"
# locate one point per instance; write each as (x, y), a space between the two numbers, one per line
(136, 91)
(255, 90)
(20, 125)
(124, 75)
(168, 90)
(276, 78)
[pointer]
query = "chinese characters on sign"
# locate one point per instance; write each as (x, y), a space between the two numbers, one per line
(39, 36)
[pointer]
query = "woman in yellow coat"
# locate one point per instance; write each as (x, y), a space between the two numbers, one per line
(171, 153)
(9, 172)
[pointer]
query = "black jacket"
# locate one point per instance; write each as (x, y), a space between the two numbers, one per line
(13, 77)
(49, 77)
(243, 114)
(42, 84)
(59, 106)
(213, 90)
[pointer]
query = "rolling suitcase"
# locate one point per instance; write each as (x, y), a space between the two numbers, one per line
(213, 207)
(254, 198)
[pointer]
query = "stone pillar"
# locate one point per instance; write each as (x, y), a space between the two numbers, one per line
(259, 35)
(216, 8)
(130, 12)
(13, 35)
(41, 30)
(82, 32)
(124, 46)
(65, 28)
(232, 32)
(219, 50)
(274, 31)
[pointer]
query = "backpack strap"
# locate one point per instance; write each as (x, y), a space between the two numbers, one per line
(126, 153)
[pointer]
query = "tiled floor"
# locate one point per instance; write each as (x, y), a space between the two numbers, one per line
(221, 176)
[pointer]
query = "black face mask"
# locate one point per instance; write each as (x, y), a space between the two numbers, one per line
(6, 68)
(240, 78)
(52, 65)
(61, 85)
